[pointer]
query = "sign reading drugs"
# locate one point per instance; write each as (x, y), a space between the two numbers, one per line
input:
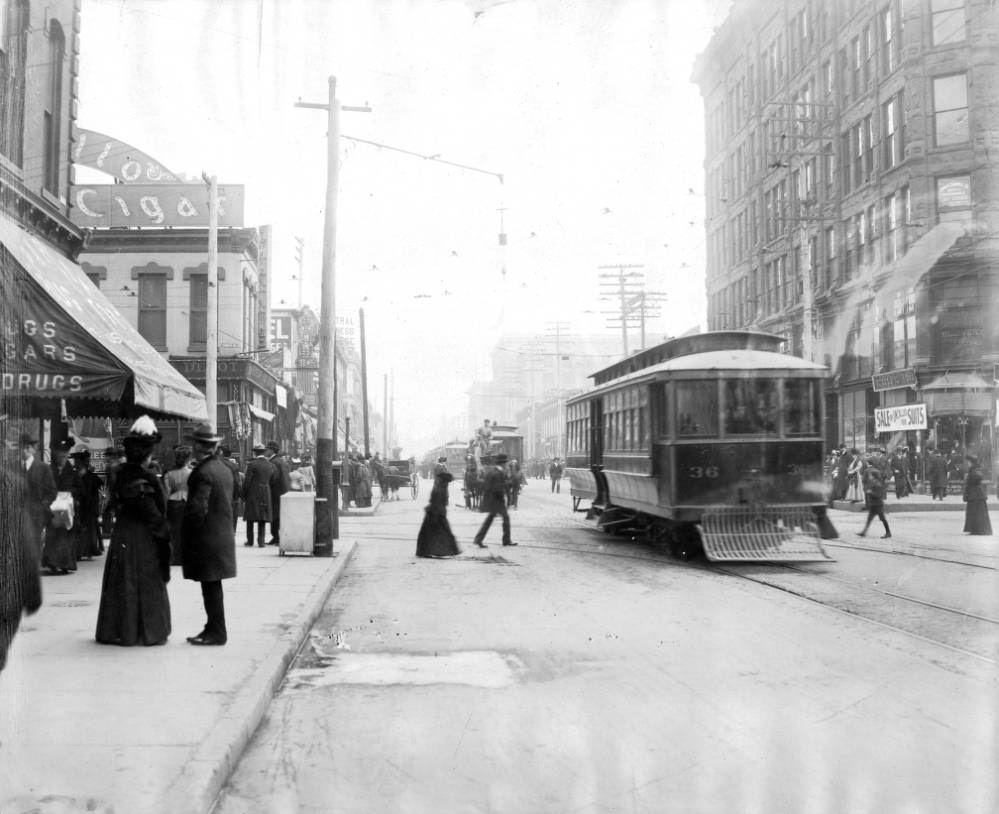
(904, 417)
(98, 206)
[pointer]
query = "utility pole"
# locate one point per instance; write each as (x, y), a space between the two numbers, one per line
(327, 510)
(385, 416)
(212, 305)
(643, 302)
(619, 281)
(558, 327)
(299, 256)
(364, 385)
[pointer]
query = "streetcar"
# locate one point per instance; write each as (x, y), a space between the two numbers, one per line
(709, 443)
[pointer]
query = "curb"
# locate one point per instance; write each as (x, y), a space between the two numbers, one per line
(214, 759)
(903, 506)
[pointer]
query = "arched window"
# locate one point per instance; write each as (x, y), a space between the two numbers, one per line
(53, 106)
(13, 62)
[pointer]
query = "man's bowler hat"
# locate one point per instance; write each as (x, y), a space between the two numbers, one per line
(274, 446)
(203, 434)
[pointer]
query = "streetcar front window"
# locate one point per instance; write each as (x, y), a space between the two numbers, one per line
(751, 407)
(801, 407)
(696, 408)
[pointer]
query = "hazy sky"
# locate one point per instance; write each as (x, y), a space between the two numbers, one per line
(585, 107)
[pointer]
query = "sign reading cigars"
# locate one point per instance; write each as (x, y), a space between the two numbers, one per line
(97, 206)
(903, 417)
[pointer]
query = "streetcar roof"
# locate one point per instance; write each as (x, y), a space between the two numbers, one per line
(717, 362)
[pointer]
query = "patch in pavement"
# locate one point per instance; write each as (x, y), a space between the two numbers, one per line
(476, 668)
(489, 559)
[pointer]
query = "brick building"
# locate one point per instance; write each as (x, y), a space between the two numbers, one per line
(851, 194)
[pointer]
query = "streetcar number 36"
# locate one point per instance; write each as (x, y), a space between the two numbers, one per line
(703, 472)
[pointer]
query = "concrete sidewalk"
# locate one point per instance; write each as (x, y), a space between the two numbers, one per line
(909, 503)
(90, 727)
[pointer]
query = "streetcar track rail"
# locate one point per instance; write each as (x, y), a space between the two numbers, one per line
(900, 552)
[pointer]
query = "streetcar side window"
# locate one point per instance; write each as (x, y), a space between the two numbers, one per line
(801, 407)
(751, 407)
(696, 408)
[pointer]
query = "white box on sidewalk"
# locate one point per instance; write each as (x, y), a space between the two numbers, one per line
(298, 522)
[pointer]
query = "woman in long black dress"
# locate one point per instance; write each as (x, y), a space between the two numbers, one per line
(976, 513)
(435, 538)
(134, 603)
(88, 523)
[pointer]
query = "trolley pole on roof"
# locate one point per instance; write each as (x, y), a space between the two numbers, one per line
(327, 527)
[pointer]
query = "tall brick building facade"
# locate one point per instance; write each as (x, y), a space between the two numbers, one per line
(851, 188)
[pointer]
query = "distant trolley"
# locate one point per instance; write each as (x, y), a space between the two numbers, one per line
(711, 442)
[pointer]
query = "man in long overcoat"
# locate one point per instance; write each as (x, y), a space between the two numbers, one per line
(494, 501)
(209, 540)
(41, 489)
(257, 495)
(280, 484)
(21, 585)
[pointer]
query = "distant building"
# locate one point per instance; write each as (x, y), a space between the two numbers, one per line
(158, 279)
(852, 202)
(539, 371)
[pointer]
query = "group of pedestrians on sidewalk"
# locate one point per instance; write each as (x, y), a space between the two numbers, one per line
(976, 515)
(134, 606)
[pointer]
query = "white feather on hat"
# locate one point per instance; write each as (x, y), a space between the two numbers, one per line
(144, 426)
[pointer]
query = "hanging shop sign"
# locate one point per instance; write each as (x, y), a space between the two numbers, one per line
(904, 417)
(98, 206)
(115, 157)
(894, 379)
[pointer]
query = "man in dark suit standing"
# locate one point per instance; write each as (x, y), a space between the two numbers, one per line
(209, 541)
(258, 509)
(494, 501)
(41, 488)
(280, 483)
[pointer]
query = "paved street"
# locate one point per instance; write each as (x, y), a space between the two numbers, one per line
(582, 673)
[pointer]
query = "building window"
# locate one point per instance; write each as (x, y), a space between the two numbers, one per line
(829, 168)
(198, 311)
(948, 25)
(152, 309)
(829, 254)
(950, 109)
(953, 193)
(904, 332)
(889, 41)
(894, 138)
(958, 336)
(14, 22)
(53, 110)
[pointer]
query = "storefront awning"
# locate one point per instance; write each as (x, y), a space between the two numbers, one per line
(959, 381)
(64, 340)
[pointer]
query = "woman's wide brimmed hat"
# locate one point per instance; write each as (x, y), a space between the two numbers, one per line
(204, 434)
(143, 433)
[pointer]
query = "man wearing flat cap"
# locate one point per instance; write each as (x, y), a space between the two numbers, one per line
(280, 484)
(209, 540)
(41, 488)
